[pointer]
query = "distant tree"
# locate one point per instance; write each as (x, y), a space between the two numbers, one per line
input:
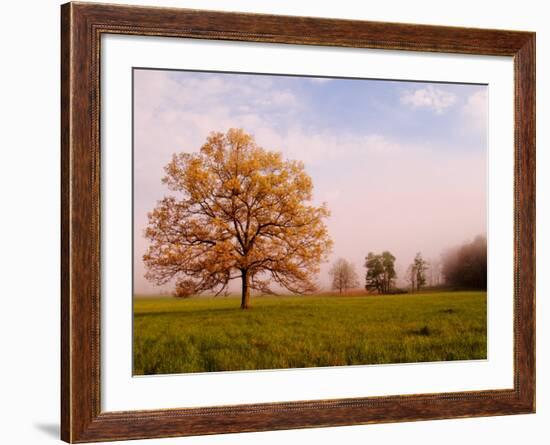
(434, 272)
(416, 273)
(375, 272)
(388, 263)
(420, 266)
(411, 277)
(343, 275)
(465, 266)
(184, 289)
(237, 211)
(380, 272)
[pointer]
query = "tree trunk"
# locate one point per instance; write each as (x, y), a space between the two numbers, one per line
(245, 299)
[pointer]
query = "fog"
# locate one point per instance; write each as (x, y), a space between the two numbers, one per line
(415, 182)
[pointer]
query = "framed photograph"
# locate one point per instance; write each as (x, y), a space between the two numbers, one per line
(274, 222)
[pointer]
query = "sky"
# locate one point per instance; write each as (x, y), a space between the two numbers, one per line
(400, 164)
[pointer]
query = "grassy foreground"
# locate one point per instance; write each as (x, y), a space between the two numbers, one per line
(213, 334)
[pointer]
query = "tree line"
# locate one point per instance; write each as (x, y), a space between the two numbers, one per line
(462, 267)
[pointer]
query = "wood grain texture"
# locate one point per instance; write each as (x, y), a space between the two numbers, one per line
(65, 226)
(81, 28)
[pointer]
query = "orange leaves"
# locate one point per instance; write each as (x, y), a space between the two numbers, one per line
(239, 210)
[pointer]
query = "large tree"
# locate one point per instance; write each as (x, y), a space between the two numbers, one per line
(240, 212)
(343, 275)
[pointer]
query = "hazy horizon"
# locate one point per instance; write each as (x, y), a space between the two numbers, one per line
(400, 164)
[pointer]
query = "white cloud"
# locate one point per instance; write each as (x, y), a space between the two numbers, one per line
(278, 99)
(431, 97)
(316, 147)
(475, 109)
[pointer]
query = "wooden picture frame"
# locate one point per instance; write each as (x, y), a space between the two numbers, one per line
(82, 25)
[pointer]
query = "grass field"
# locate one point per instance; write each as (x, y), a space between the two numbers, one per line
(213, 334)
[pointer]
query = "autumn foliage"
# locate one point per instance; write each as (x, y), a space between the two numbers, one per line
(343, 275)
(238, 212)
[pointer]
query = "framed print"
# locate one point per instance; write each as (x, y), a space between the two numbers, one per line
(274, 222)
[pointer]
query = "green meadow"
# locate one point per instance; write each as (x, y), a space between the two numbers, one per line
(212, 334)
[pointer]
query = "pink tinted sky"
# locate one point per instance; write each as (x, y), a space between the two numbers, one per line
(401, 165)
